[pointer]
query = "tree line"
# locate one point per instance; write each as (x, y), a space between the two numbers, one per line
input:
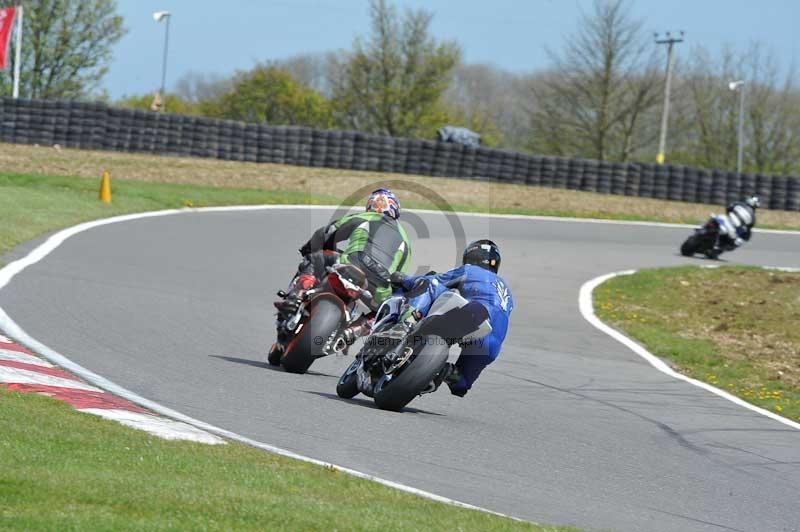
(600, 97)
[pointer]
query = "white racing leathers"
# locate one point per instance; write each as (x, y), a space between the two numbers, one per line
(736, 223)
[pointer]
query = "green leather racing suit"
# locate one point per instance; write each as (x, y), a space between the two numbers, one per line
(376, 243)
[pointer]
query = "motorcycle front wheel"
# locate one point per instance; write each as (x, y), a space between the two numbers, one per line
(347, 387)
(690, 246)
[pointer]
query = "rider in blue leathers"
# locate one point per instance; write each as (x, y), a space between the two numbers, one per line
(489, 299)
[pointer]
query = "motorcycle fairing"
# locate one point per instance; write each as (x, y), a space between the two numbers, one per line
(452, 300)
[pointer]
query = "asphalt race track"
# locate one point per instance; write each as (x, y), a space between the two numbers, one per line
(567, 427)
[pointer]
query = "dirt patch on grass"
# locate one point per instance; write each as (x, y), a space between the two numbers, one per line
(734, 327)
(17, 158)
(751, 315)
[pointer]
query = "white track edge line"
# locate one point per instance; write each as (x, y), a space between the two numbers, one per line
(541, 218)
(585, 302)
(161, 426)
(10, 327)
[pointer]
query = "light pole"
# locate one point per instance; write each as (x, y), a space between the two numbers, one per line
(734, 86)
(158, 16)
(662, 143)
(17, 52)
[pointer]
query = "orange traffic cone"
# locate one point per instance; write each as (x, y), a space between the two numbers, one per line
(105, 188)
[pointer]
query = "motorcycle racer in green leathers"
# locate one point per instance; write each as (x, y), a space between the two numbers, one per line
(376, 243)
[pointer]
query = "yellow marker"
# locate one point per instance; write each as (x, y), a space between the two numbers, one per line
(105, 188)
(660, 158)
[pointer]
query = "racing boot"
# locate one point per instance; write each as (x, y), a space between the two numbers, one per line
(275, 354)
(449, 374)
(291, 301)
(713, 253)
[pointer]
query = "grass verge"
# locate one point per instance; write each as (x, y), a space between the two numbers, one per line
(734, 327)
(64, 470)
(33, 204)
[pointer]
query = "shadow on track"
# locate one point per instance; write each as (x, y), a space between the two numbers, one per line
(264, 365)
(369, 404)
(702, 258)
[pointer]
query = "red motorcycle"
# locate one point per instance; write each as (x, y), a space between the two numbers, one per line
(316, 328)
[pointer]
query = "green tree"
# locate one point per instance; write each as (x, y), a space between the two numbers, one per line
(393, 83)
(603, 90)
(197, 87)
(490, 101)
(771, 111)
(66, 47)
(271, 95)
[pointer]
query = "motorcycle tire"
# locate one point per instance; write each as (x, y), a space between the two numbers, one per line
(347, 387)
(396, 392)
(325, 317)
(691, 246)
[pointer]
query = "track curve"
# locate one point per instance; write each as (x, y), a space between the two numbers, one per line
(567, 427)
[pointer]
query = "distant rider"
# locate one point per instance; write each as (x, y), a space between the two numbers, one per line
(489, 299)
(735, 225)
(376, 243)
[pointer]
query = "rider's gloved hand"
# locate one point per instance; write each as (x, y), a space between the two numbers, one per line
(306, 249)
(398, 279)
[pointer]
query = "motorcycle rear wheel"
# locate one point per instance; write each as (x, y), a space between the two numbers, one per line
(307, 346)
(394, 392)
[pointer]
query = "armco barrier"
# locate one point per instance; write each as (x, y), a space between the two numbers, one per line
(91, 125)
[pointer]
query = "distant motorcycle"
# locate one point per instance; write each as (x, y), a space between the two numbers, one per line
(704, 239)
(316, 328)
(395, 365)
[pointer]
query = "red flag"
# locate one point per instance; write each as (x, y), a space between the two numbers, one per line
(6, 23)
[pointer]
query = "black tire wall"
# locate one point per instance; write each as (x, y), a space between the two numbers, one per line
(96, 126)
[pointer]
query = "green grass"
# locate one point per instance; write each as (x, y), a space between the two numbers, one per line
(733, 327)
(31, 205)
(64, 470)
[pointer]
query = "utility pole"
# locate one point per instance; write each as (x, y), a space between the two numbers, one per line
(670, 41)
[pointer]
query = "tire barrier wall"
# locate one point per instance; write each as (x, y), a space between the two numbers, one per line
(97, 126)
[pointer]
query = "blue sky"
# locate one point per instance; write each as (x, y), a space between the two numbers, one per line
(222, 36)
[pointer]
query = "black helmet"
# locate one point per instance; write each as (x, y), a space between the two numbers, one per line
(483, 253)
